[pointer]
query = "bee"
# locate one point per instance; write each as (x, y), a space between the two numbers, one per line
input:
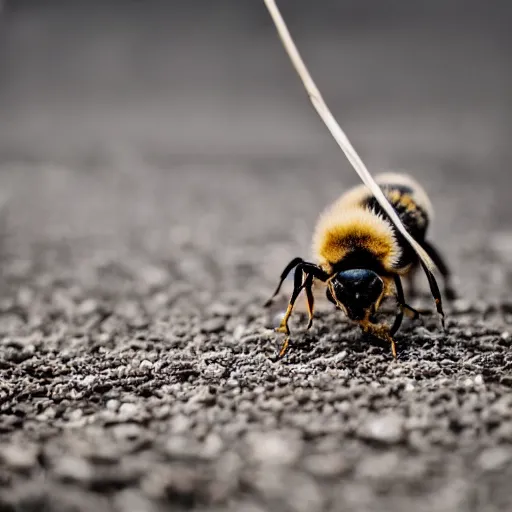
(361, 257)
(368, 239)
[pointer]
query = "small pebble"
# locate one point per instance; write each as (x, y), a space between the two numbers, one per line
(325, 465)
(130, 500)
(113, 405)
(127, 431)
(18, 458)
(146, 365)
(73, 469)
(494, 458)
(387, 429)
(213, 371)
(213, 325)
(128, 410)
(281, 448)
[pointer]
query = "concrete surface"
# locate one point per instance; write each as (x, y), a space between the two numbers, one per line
(135, 356)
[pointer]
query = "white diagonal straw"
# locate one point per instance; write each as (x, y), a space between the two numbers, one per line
(337, 132)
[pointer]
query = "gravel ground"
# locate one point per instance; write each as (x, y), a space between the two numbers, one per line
(136, 360)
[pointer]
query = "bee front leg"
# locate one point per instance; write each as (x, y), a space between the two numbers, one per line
(303, 278)
(284, 275)
(379, 331)
(283, 326)
(284, 348)
(308, 285)
(297, 288)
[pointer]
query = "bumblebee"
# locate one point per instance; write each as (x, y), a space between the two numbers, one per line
(361, 256)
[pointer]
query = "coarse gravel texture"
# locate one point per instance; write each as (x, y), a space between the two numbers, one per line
(137, 367)
(137, 362)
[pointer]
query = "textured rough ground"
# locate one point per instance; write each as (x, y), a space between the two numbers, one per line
(136, 367)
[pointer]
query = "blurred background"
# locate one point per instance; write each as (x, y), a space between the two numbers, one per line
(142, 117)
(160, 163)
(201, 79)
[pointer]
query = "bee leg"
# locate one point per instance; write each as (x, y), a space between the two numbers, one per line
(401, 301)
(379, 331)
(436, 294)
(312, 272)
(443, 269)
(403, 307)
(393, 346)
(284, 275)
(297, 288)
(411, 312)
(283, 326)
(308, 284)
(284, 348)
(309, 269)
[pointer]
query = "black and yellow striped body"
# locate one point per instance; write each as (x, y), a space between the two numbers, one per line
(413, 209)
(361, 256)
(355, 232)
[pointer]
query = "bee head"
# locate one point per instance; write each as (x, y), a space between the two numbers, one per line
(357, 290)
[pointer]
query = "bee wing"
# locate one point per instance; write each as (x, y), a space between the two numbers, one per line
(338, 133)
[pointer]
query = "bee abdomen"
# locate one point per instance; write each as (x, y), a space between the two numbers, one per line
(356, 227)
(414, 217)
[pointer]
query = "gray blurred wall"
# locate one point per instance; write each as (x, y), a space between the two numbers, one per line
(209, 79)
